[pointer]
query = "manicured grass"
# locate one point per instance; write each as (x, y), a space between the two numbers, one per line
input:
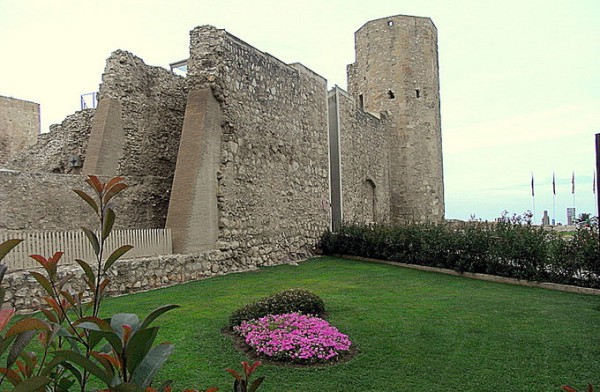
(416, 331)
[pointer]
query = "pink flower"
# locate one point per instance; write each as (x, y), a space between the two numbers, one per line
(294, 336)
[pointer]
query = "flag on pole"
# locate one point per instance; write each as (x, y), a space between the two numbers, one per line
(553, 184)
(532, 185)
(573, 183)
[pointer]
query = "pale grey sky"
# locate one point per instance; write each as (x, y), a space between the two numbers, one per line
(520, 80)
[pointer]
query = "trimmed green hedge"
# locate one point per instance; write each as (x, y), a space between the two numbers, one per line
(507, 248)
(287, 301)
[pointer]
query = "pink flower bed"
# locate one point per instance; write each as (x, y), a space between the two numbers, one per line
(295, 337)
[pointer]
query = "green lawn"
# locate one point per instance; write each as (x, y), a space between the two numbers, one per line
(416, 331)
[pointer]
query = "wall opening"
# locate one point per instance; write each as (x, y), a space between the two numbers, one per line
(369, 202)
(418, 93)
(390, 23)
(361, 102)
(391, 94)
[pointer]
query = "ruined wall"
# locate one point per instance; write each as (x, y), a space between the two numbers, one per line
(53, 149)
(396, 70)
(46, 201)
(365, 162)
(19, 126)
(152, 101)
(272, 190)
(152, 104)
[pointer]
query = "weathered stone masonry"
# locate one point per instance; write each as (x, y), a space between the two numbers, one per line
(272, 188)
(248, 159)
(396, 70)
(19, 126)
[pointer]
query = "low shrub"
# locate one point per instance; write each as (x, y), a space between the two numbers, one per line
(287, 301)
(294, 337)
(509, 247)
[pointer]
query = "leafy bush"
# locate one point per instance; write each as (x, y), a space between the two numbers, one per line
(287, 301)
(509, 247)
(77, 345)
(295, 337)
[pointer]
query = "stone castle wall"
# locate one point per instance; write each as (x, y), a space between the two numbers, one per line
(396, 70)
(272, 189)
(365, 163)
(237, 154)
(152, 101)
(45, 201)
(52, 151)
(19, 126)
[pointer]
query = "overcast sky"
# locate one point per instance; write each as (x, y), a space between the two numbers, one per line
(520, 79)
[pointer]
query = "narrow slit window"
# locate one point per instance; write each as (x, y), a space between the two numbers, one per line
(361, 102)
(391, 94)
(418, 93)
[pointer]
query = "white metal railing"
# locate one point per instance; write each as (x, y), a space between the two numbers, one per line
(75, 245)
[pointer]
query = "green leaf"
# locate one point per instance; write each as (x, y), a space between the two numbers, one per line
(109, 221)
(156, 313)
(88, 199)
(139, 346)
(7, 246)
(255, 384)
(85, 363)
(116, 255)
(118, 320)
(93, 240)
(5, 342)
(21, 341)
(151, 364)
(74, 371)
(111, 337)
(87, 270)
(32, 384)
(45, 283)
(3, 269)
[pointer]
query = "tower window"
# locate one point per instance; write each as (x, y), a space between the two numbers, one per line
(418, 93)
(390, 23)
(361, 102)
(391, 94)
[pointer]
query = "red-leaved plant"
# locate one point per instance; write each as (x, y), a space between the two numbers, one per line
(243, 384)
(77, 344)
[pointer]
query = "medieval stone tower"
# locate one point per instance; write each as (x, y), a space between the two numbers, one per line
(396, 71)
(249, 157)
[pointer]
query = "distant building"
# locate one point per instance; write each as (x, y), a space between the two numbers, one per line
(19, 126)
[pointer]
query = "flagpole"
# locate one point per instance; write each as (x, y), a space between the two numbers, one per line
(533, 197)
(573, 187)
(553, 199)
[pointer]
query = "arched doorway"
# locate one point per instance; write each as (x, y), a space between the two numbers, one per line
(369, 201)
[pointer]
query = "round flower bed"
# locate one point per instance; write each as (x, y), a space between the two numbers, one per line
(294, 337)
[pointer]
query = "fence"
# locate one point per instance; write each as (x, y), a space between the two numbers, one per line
(75, 245)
